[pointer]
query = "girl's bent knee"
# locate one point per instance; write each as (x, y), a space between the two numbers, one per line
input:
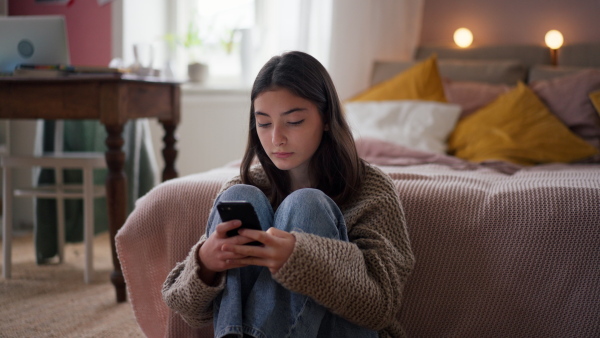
(308, 196)
(311, 211)
(241, 190)
(245, 192)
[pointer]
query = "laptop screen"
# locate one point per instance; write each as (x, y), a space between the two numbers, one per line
(32, 40)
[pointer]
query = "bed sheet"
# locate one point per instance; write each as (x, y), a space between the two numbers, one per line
(501, 250)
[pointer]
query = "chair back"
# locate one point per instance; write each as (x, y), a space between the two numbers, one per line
(4, 137)
(59, 136)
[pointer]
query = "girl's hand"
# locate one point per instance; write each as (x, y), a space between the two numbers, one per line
(213, 258)
(276, 249)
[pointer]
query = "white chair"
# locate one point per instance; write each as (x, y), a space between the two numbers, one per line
(58, 160)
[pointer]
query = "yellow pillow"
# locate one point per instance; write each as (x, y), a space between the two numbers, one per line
(420, 82)
(595, 97)
(517, 127)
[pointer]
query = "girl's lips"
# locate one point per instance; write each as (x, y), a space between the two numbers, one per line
(282, 155)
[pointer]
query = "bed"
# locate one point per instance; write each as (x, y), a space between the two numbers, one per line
(502, 205)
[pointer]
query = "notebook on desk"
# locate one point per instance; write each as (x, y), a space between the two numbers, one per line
(32, 40)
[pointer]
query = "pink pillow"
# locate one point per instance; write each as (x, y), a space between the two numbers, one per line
(472, 95)
(567, 97)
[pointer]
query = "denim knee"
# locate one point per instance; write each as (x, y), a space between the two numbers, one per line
(241, 192)
(309, 198)
(311, 211)
(307, 195)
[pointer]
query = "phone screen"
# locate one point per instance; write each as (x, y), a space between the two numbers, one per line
(242, 210)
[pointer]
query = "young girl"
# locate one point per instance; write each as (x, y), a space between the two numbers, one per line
(334, 253)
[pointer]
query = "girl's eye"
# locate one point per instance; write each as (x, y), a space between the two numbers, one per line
(296, 123)
(262, 125)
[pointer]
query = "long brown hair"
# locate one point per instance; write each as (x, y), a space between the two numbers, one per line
(335, 167)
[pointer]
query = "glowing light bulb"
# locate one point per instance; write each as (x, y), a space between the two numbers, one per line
(554, 39)
(463, 37)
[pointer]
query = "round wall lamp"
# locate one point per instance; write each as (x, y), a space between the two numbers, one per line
(463, 37)
(554, 40)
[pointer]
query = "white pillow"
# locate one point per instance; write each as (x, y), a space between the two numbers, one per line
(422, 125)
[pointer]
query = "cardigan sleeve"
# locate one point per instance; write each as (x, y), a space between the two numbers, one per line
(361, 280)
(185, 293)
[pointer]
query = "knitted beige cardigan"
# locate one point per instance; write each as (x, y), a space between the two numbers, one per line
(361, 280)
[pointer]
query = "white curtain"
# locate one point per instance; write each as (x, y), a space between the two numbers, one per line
(346, 36)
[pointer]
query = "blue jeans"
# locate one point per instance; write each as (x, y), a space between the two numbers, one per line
(253, 303)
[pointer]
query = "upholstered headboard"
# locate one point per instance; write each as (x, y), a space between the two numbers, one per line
(497, 64)
(580, 55)
(528, 55)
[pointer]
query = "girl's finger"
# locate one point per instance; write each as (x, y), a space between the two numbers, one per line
(279, 233)
(247, 261)
(256, 235)
(224, 227)
(243, 250)
(232, 264)
(227, 255)
(239, 240)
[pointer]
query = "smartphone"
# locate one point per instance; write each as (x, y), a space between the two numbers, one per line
(242, 210)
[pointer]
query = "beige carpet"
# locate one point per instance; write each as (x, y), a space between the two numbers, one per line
(53, 300)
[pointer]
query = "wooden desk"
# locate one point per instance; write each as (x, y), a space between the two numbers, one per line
(113, 100)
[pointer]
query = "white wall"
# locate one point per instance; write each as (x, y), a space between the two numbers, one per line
(212, 132)
(139, 22)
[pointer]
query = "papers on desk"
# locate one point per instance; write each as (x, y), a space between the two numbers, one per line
(31, 70)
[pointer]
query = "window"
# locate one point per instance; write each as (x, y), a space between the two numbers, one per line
(237, 37)
(219, 34)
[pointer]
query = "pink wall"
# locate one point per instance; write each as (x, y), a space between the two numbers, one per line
(88, 27)
(511, 21)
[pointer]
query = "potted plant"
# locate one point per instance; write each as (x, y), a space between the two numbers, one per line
(191, 41)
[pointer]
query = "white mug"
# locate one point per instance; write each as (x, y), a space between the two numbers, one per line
(143, 54)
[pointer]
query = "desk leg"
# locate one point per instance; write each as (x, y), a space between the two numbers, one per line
(169, 152)
(116, 196)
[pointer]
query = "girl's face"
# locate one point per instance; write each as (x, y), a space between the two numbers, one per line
(290, 129)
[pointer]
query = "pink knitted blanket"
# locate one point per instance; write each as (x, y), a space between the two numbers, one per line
(497, 254)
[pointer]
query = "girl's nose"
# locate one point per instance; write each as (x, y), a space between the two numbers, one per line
(278, 138)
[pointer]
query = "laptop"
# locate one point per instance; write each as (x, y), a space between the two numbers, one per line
(32, 40)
